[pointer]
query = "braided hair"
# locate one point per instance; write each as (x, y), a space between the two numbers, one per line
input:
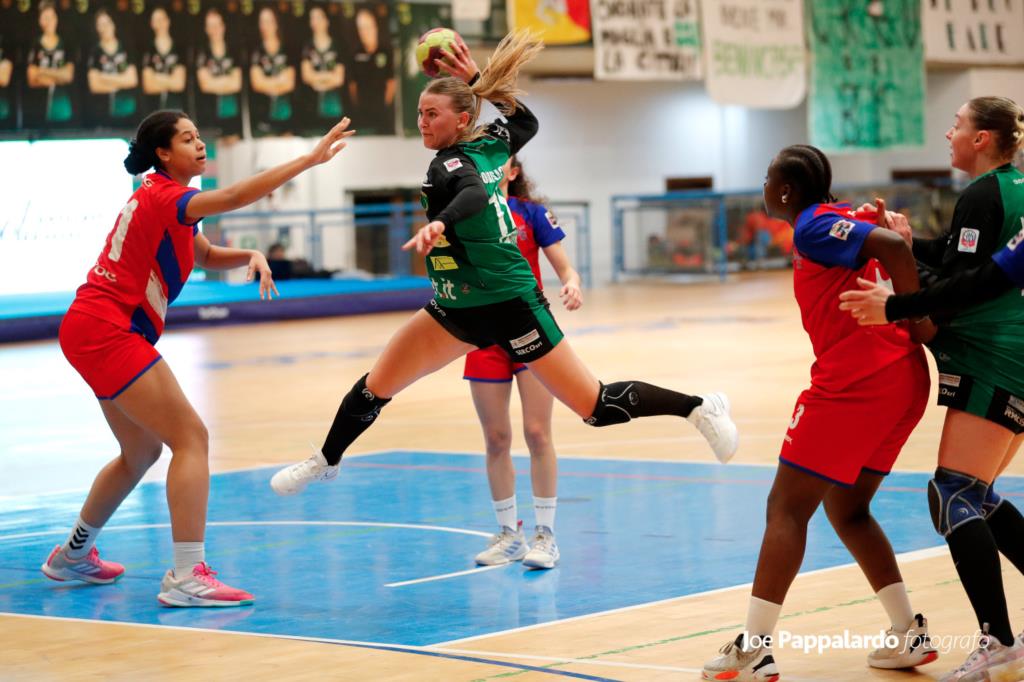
(808, 169)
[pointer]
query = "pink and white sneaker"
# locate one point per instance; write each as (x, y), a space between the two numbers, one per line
(200, 589)
(90, 568)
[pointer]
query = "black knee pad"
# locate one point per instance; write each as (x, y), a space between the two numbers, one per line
(361, 403)
(954, 499)
(614, 403)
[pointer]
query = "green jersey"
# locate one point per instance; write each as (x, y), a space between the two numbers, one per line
(477, 260)
(986, 339)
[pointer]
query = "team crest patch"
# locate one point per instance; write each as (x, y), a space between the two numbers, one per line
(452, 164)
(968, 240)
(551, 218)
(841, 229)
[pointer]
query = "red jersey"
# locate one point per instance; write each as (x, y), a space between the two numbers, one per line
(537, 228)
(826, 262)
(147, 258)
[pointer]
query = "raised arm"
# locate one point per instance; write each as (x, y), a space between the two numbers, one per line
(246, 191)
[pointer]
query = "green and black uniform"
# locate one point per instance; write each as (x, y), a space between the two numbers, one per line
(484, 290)
(115, 107)
(980, 350)
(219, 112)
(53, 105)
(328, 106)
(270, 114)
(164, 63)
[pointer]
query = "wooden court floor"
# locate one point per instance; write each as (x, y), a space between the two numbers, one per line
(276, 389)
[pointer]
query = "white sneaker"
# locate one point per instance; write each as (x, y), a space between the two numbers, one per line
(714, 423)
(200, 588)
(914, 648)
(992, 661)
(544, 550)
(293, 479)
(736, 665)
(505, 547)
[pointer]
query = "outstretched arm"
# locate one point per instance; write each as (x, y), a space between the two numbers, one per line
(246, 191)
(225, 258)
(891, 251)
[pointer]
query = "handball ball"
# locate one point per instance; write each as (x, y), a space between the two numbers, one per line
(430, 46)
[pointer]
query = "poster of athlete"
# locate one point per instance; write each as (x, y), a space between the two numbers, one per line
(413, 21)
(370, 81)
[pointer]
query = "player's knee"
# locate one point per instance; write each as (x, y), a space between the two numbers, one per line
(613, 404)
(498, 441)
(537, 435)
(992, 502)
(955, 498)
(846, 513)
(361, 403)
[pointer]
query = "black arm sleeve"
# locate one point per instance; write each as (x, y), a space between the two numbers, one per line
(469, 197)
(929, 251)
(952, 294)
(517, 129)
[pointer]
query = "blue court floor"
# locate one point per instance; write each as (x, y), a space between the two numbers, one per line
(368, 557)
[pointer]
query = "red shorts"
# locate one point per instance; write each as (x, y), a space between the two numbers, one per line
(490, 364)
(107, 356)
(837, 435)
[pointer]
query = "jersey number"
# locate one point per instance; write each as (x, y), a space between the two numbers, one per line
(123, 223)
(508, 232)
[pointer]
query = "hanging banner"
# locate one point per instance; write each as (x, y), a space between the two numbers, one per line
(867, 76)
(646, 40)
(966, 32)
(558, 22)
(754, 52)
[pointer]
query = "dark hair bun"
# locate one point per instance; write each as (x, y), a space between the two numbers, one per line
(140, 158)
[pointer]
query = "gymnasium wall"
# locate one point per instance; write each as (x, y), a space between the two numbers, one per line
(599, 139)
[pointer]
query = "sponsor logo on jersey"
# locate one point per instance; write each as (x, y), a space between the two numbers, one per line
(1016, 402)
(441, 243)
(968, 240)
(841, 229)
(551, 218)
(453, 164)
(1017, 239)
(525, 339)
(949, 379)
(443, 263)
(444, 289)
(492, 176)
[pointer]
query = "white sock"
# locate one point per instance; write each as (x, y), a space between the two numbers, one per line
(897, 606)
(762, 617)
(505, 510)
(544, 510)
(187, 555)
(80, 540)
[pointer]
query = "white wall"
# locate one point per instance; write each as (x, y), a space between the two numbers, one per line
(600, 139)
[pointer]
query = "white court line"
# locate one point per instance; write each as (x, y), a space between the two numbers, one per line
(906, 557)
(231, 524)
(448, 575)
(398, 647)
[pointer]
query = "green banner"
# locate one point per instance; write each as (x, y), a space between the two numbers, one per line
(867, 74)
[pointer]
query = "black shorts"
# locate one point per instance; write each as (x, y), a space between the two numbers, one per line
(981, 397)
(522, 326)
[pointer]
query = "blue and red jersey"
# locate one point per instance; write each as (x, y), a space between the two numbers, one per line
(147, 257)
(1010, 259)
(827, 241)
(537, 228)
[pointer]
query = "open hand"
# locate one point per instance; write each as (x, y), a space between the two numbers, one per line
(868, 305)
(425, 238)
(459, 63)
(258, 263)
(331, 143)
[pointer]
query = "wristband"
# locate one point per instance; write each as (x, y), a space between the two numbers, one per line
(474, 79)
